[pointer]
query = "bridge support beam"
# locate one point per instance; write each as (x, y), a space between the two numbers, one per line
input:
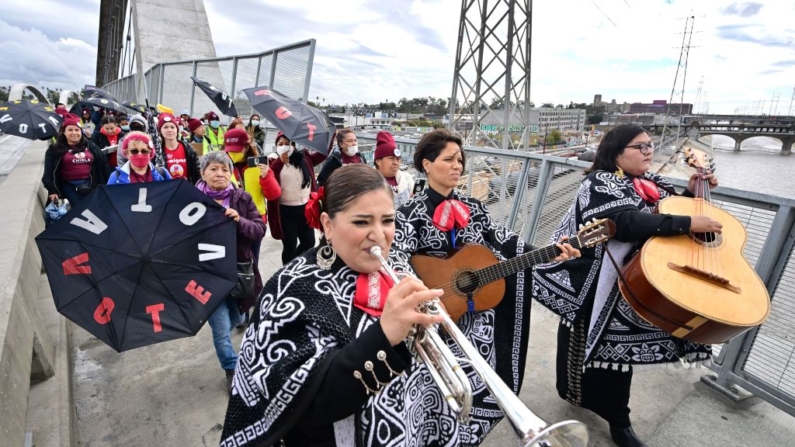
(786, 147)
(738, 141)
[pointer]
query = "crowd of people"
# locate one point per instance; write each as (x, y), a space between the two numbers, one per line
(326, 357)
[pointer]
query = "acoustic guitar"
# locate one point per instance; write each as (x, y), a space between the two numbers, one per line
(473, 278)
(697, 286)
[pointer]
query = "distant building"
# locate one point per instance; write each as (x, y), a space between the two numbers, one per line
(597, 100)
(660, 106)
(539, 120)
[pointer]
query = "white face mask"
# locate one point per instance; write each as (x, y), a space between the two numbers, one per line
(281, 149)
(351, 151)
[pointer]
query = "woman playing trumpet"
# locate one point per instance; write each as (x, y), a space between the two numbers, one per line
(324, 361)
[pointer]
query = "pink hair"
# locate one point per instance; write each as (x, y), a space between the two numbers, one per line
(137, 136)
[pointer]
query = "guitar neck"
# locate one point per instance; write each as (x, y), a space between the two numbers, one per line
(523, 262)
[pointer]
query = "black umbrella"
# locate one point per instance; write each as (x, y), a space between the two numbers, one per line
(140, 108)
(219, 98)
(110, 104)
(29, 118)
(91, 91)
(299, 122)
(142, 263)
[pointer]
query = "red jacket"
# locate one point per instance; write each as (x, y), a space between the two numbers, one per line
(312, 159)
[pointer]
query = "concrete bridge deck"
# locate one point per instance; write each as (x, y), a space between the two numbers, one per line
(174, 393)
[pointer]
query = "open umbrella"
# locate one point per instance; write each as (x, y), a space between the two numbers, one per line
(90, 91)
(29, 118)
(299, 122)
(142, 263)
(110, 104)
(219, 98)
(140, 108)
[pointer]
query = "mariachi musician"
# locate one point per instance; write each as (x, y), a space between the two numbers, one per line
(600, 337)
(439, 220)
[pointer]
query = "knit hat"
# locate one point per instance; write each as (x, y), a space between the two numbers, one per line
(194, 124)
(212, 116)
(70, 119)
(164, 118)
(139, 119)
(235, 140)
(184, 112)
(137, 136)
(385, 146)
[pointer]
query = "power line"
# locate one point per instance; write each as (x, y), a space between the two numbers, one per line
(604, 14)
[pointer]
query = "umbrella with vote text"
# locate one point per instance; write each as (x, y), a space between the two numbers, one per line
(29, 118)
(299, 122)
(219, 98)
(142, 263)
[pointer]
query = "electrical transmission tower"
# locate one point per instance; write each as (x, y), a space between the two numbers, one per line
(697, 105)
(678, 89)
(789, 112)
(773, 109)
(491, 81)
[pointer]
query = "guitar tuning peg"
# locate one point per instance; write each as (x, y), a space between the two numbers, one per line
(581, 227)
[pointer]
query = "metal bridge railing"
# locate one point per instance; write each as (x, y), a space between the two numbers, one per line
(530, 193)
(287, 69)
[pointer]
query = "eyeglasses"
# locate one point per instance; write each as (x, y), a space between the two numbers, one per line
(644, 148)
(137, 151)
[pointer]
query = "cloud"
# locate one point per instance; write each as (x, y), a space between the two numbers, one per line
(787, 63)
(754, 34)
(742, 9)
(30, 56)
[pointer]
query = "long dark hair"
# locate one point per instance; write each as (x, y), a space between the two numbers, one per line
(613, 145)
(297, 159)
(61, 145)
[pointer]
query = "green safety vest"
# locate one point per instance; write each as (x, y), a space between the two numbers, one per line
(215, 143)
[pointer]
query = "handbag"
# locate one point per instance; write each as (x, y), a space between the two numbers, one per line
(245, 281)
(83, 189)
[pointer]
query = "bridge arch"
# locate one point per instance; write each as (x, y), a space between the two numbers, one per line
(18, 90)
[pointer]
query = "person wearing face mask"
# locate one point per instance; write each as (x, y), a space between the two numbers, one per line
(255, 132)
(73, 166)
(109, 135)
(137, 124)
(124, 122)
(387, 162)
(85, 119)
(215, 133)
(138, 149)
(295, 172)
(348, 153)
(181, 160)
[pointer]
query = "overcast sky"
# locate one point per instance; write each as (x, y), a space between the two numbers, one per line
(370, 51)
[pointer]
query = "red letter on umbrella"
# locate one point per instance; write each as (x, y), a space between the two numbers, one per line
(102, 312)
(283, 113)
(72, 265)
(198, 292)
(155, 311)
(311, 128)
(262, 92)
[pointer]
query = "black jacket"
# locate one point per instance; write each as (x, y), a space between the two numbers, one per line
(333, 162)
(52, 159)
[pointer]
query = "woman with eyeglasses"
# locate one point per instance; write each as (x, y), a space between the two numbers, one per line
(600, 337)
(137, 148)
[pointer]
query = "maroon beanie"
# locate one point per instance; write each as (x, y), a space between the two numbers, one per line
(235, 140)
(385, 146)
(70, 119)
(194, 124)
(164, 118)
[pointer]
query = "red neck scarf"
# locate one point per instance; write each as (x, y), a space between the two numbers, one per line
(451, 214)
(371, 292)
(646, 189)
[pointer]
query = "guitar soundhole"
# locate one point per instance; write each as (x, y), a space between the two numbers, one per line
(466, 282)
(707, 239)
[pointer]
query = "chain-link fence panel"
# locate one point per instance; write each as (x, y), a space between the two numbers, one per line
(291, 72)
(245, 77)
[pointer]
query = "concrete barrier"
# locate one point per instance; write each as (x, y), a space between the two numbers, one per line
(27, 352)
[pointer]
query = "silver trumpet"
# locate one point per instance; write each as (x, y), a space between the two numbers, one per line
(446, 371)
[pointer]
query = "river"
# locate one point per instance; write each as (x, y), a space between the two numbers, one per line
(758, 167)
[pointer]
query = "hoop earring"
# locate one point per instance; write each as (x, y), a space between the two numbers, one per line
(326, 257)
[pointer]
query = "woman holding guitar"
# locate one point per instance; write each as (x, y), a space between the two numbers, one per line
(601, 337)
(440, 220)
